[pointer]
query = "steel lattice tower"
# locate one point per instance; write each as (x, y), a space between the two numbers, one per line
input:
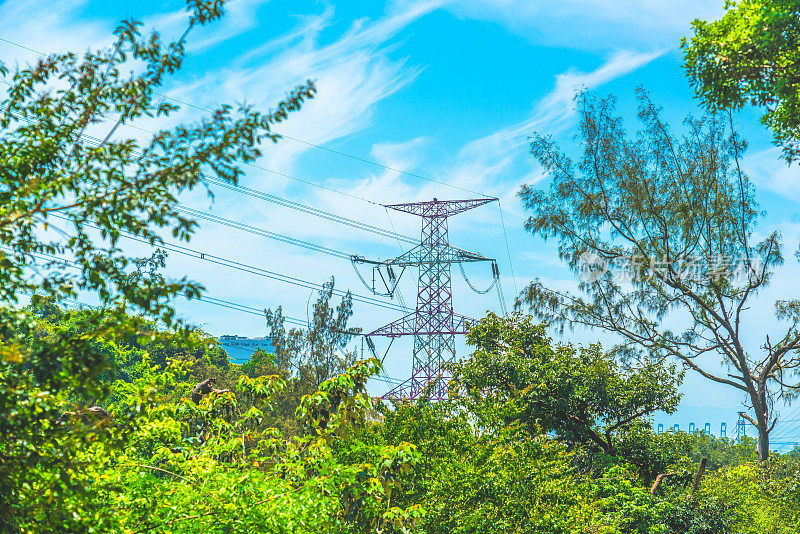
(433, 323)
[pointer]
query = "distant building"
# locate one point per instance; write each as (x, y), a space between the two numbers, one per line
(240, 348)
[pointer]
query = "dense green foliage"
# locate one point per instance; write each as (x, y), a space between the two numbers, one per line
(485, 466)
(751, 56)
(99, 438)
(580, 394)
(151, 458)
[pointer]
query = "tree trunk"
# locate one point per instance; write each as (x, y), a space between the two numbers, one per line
(657, 483)
(763, 441)
(758, 397)
(698, 477)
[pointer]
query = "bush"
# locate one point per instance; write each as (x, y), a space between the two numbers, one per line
(693, 517)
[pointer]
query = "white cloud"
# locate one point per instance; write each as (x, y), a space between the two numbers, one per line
(485, 163)
(58, 27)
(555, 111)
(309, 27)
(768, 169)
(240, 17)
(593, 24)
(353, 73)
(405, 154)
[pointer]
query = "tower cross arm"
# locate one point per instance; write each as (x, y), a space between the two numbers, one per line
(421, 254)
(440, 208)
(416, 324)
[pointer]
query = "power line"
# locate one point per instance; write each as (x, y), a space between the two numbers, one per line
(221, 303)
(233, 264)
(298, 207)
(286, 202)
(253, 165)
(792, 413)
(372, 162)
(258, 271)
(280, 237)
(306, 209)
(787, 431)
(400, 246)
(215, 301)
(22, 46)
(508, 248)
(338, 152)
(246, 309)
(309, 210)
(205, 298)
(264, 233)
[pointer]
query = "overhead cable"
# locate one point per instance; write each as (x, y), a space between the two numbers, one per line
(308, 209)
(258, 271)
(309, 143)
(286, 202)
(204, 298)
(263, 233)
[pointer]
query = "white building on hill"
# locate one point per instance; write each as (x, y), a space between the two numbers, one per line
(240, 348)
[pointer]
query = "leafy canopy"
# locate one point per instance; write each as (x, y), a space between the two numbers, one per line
(68, 194)
(751, 55)
(583, 395)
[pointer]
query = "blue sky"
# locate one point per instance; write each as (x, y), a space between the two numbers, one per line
(446, 90)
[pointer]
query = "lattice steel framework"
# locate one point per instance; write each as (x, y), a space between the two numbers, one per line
(433, 323)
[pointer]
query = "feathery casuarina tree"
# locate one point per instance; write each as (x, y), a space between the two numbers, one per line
(661, 230)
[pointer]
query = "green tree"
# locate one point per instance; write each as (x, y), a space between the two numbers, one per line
(681, 452)
(481, 471)
(92, 191)
(157, 461)
(582, 395)
(316, 353)
(751, 56)
(662, 231)
(762, 498)
(69, 196)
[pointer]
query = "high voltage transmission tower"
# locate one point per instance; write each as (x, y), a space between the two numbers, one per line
(433, 324)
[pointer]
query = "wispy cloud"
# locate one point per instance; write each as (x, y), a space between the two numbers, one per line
(490, 163)
(49, 27)
(768, 169)
(356, 69)
(404, 155)
(353, 73)
(484, 162)
(240, 16)
(593, 24)
(555, 111)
